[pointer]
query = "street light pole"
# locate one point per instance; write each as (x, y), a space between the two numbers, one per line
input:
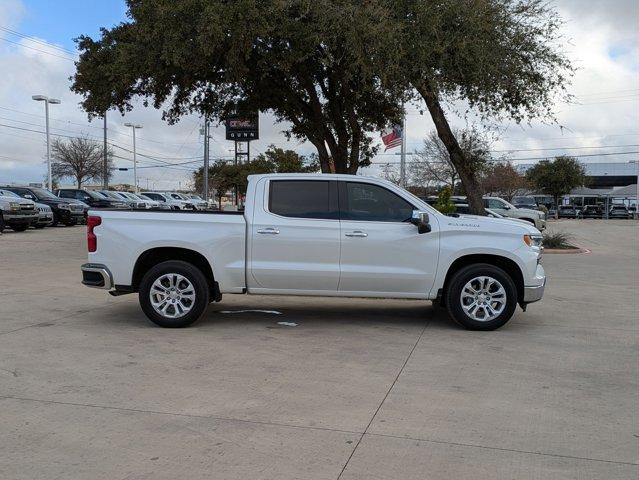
(135, 156)
(47, 101)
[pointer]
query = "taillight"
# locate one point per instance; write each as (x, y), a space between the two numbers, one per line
(92, 240)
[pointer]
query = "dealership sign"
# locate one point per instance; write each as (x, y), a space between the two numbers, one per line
(243, 128)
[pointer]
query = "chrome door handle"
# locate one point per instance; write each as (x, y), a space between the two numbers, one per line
(357, 233)
(269, 231)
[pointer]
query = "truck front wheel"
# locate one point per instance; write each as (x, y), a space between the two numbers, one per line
(174, 294)
(481, 297)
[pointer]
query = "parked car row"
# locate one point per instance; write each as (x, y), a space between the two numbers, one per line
(22, 207)
(502, 208)
(594, 211)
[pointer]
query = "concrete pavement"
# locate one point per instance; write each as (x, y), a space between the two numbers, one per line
(359, 389)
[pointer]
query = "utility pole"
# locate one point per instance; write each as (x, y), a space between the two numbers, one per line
(134, 127)
(402, 163)
(105, 163)
(205, 174)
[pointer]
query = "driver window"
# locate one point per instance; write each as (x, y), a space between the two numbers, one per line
(374, 204)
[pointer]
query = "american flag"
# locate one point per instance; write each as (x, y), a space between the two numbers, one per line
(393, 137)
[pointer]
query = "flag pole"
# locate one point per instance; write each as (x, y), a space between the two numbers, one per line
(402, 163)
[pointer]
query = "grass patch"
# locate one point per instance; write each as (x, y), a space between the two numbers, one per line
(559, 241)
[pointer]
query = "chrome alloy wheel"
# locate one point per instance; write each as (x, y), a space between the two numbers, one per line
(172, 295)
(483, 299)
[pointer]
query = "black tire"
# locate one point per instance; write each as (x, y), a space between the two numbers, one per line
(56, 219)
(19, 228)
(193, 275)
(71, 223)
(465, 275)
(39, 226)
(1, 223)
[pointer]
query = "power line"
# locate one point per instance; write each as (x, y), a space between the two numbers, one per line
(37, 49)
(35, 40)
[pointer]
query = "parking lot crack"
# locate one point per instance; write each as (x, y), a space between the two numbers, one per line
(399, 373)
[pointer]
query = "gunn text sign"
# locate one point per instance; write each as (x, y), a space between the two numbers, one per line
(243, 128)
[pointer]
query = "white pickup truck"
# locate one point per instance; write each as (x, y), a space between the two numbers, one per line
(321, 235)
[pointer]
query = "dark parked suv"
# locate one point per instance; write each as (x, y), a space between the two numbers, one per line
(592, 211)
(64, 211)
(92, 199)
(569, 211)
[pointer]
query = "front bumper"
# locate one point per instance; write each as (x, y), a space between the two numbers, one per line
(45, 219)
(535, 292)
(96, 275)
(19, 218)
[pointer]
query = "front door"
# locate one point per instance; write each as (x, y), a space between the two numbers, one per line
(295, 237)
(381, 252)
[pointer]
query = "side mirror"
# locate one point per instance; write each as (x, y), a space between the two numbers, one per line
(421, 220)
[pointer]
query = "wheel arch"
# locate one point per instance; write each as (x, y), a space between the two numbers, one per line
(505, 263)
(149, 258)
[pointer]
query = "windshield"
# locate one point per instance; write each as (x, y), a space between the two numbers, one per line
(43, 194)
(7, 193)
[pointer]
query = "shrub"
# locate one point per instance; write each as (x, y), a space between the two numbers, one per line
(444, 203)
(559, 240)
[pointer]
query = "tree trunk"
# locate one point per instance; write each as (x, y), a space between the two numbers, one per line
(465, 170)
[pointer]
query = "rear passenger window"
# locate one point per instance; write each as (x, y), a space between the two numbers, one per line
(301, 199)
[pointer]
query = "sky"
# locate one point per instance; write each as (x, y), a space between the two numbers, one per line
(37, 52)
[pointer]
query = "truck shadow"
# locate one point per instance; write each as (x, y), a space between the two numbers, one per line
(288, 312)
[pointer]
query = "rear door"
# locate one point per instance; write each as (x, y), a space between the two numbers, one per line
(382, 253)
(295, 236)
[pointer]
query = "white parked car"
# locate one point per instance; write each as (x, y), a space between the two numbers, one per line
(321, 235)
(45, 216)
(168, 200)
(198, 202)
(502, 207)
(188, 204)
(151, 204)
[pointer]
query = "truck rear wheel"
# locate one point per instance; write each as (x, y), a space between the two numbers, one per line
(481, 297)
(174, 294)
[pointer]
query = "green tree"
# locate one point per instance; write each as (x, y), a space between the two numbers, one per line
(500, 58)
(288, 161)
(557, 177)
(225, 176)
(444, 204)
(217, 57)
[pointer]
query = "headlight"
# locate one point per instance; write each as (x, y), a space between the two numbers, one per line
(535, 241)
(14, 205)
(64, 206)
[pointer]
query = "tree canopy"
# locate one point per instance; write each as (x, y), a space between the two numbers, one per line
(336, 71)
(216, 57)
(557, 177)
